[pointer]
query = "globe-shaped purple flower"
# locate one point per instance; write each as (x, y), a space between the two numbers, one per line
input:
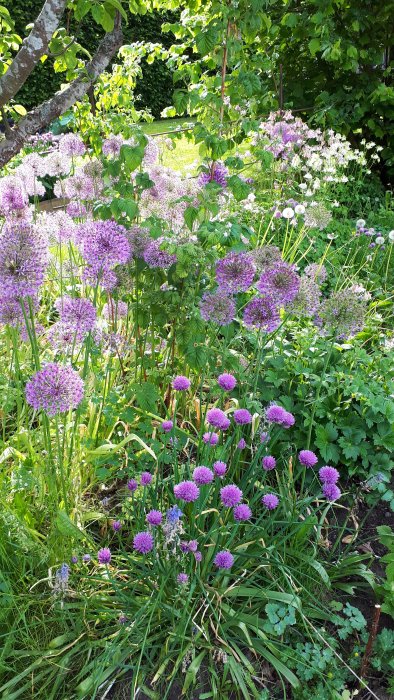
(224, 559)
(220, 468)
(218, 307)
(167, 426)
(55, 389)
(132, 485)
(210, 438)
(187, 491)
(104, 555)
(116, 525)
(242, 512)
(262, 313)
(154, 517)
(71, 145)
(280, 282)
(307, 458)
(23, 260)
(331, 491)
(277, 414)
(235, 272)
(143, 542)
(182, 579)
(77, 314)
(230, 495)
(181, 383)
(269, 463)
(217, 418)
(203, 475)
(146, 478)
(227, 382)
(198, 556)
(270, 501)
(242, 444)
(328, 475)
(242, 416)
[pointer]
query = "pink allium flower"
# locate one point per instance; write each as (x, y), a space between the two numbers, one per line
(217, 418)
(224, 560)
(187, 491)
(270, 501)
(230, 495)
(198, 556)
(71, 145)
(146, 478)
(143, 542)
(210, 438)
(242, 416)
(181, 383)
(242, 444)
(227, 382)
(331, 491)
(307, 458)
(104, 555)
(202, 475)
(242, 512)
(132, 485)
(154, 517)
(220, 468)
(167, 426)
(55, 389)
(116, 525)
(182, 579)
(269, 462)
(328, 475)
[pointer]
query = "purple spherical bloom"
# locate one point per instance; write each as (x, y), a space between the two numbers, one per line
(280, 282)
(74, 559)
(224, 559)
(220, 468)
(86, 558)
(181, 383)
(184, 547)
(167, 426)
(217, 418)
(112, 145)
(154, 256)
(154, 517)
(116, 525)
(262, 313)
(76, 209)
(132, 485)
(331, 491)
(198, 556)
(218, 307)
(187, 491)
(77, 314)
(202, 475)
(328, 475)
(182, 579)
(210, 438)
(71, 145)
(103, 245)
(277, 414)
(146, 478)
(230, 495)
(104, 555)
(227, 382)
(242, 444)
(270, 501)
(23, 260)
(269, 462)
(242, 512)
(307, 458)
(289, 420)
(193, 546)
(235, 272)
(55, 389)
(217, 173)
(143, 542)
(242, 416)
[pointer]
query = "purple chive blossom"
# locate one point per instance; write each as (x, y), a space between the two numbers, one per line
(167, 426)
(132, 485)
(279, 415)
(242, 416)
(143, 542)
(181, 383)
(242, 444)
(270, 501)
(235, 272)
(154, 256)
(198, 556)
(187, 491)
(202, 475)
(146, 478)
(217, 418)
(328, 475)
(23, 260)
(77, 314)
(331, 491)
(269, 463)
(220, 468)
(71, 145)
(230, 495)
(227, 382)
(154, 517)
(54, 389)
(224, 559)
(104, 556)
(86, 558)
(103, 244)
(263, 314)
(242, 512)
(218, 307)
(182, 579)
(289, 420)
(74, 559)
(217, 173)
(193, 546)
(210, 438)
(116, 525)
(280, 282)
(307, 458)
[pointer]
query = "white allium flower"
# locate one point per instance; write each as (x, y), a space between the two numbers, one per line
(391, 235)
(299, 209)
(360, 223)
(288, 213)
(379, 240)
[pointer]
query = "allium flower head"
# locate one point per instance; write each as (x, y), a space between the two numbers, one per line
(202, 475)
(116, 525)
(242, 512)
(227, 382)
(242, 416)
(307, 300)
(265, 257)
(218, 307)
(217, 418)
(154, 256)
(328, 475)
(181, 383)
(277, 414)
(71, 145)
(151, 153)
(269, 463)
(104, 246)
(217, 173)
(210, 438)
(111, 145)
(182, 579)
(224, 559)
(235, 272)
(316, 272)
(146, 478)
(11, 313)
(270, 501)
(132, 485)
(104, 555)
(86, 558)
(242, 444)
(143, 542)
(23, 259)
(280, 282)
(317, 216)
(331, 491)
(13, 195)
(307, 458)
(55, 389)
(187, 491)
(343, 313)
(230, 495)
(167, 426)
(78, 314)
(154, 517)
(262, 313)
(220, 468)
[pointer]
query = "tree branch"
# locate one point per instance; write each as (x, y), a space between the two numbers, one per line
(32, 49)
(45, 113)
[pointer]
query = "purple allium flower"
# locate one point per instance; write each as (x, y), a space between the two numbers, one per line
(112, 144)
(224, 559)
(78, 314)
(154, 517)
(218, 307)
(280, 282)
(181, 383)
(242, 444)
(151, 153)
(217, 173)
(277, 414)
(210, 438)
(307, 458)
(265, 257)
(235, 272)
(269, 462)
(307, 301)
(242, 512)
(316, 272)
(116, 525)
(23, 260)
(270, 501)
(132, 485)
(86, 558)
(197, 556)
(13, 195)
(54, 389)
(173, 514)
(74, 559)
(154, 256)
(289, 420)
(146, 478)
(104, 556)
(187, 491)
(230, 495)
(220, 468)
(217, 418)
(262, 313)
(328, 475)
(202, 475)
(167, 426)
(343, 313)
(11, 313)
(103, 245)
(76, 209)
(227, 382)
(184, 546)
(242, 416)
(143, 542)
(71, 145)
(182, 579)
(193, 546)
(331, 491)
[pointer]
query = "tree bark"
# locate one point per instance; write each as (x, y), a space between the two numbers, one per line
(45, 113)
(33, 48)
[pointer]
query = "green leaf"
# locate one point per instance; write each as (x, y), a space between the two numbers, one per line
(110, 448)
(192, 671)
(190, 215)
(206, 41)
(314, 46)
